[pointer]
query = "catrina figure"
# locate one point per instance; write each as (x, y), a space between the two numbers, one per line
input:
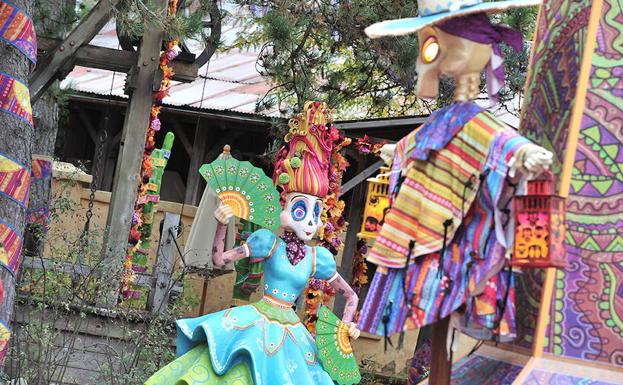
(265, 343)
(442, 250)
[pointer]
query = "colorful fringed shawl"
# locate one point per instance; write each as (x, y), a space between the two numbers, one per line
(472, 261)
(440, 186)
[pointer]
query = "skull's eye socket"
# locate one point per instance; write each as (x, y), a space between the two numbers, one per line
(430, 49)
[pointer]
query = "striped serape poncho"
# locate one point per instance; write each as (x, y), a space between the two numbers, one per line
(415, 290)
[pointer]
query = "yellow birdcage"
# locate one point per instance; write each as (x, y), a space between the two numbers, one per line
(377, 205)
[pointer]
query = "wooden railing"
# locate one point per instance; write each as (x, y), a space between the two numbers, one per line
(161, 284)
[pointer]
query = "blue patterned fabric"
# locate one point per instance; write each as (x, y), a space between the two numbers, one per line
(273, 343)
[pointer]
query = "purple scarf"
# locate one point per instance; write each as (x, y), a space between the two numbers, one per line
(295, 247)
(478, 28)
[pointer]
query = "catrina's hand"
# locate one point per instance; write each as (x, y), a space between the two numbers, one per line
(534, 160)
(353, 332)
(223, 213)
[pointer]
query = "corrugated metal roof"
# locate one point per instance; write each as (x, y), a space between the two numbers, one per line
(229, 81)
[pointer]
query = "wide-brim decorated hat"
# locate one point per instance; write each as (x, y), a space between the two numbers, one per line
(435, 11)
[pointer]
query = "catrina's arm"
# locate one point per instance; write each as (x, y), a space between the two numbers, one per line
(223, 215)
(352, 299)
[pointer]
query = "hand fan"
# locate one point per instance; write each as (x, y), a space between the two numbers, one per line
(334, 350)
(246, 189)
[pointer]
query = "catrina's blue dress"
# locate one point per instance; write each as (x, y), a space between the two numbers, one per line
(263, 343)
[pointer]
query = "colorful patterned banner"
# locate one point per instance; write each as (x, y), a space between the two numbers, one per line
(5, 336)
(17, 29)
(587, 309)
(10, 247)
(15, 98)
(40, 181)
(14, 180)
(482, 370)
(41, 167)
(539, 377)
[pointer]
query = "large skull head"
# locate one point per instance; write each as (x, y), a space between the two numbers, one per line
(444, 54)
(301, 215)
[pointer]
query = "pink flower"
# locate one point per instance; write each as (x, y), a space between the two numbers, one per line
(155, 124)
(334, 134)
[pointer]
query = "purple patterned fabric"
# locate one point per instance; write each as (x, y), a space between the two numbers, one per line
(478, 28)
(295, 247)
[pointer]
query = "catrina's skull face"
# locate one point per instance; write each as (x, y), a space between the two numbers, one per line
(444, 54)
(301, 215)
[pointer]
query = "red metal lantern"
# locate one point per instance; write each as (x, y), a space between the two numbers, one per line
(539, 226)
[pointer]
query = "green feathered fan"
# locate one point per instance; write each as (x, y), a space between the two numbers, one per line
(246, 189)
(334, 350)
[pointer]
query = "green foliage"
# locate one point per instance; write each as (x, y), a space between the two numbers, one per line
(134, 16)
(54, 18)
(318, 50)
(68, 311)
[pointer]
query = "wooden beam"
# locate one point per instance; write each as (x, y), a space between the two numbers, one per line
(88, 125)
(110, 59)
(196, 159)
(217, 148)
(250, 120)
(181, 135)
(414, 121)
(132, 144)
(51, 65)
(361, 177)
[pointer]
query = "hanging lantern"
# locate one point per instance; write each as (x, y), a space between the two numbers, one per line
(377, 205)
(539, 226)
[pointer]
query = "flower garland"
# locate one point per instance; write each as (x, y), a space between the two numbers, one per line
(147, 171)
(360, 269)
(335, 224)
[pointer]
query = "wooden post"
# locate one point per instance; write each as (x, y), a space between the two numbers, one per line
(441, 364)
(163, 271)
(353, 217)
(132, 144)
(196, 160)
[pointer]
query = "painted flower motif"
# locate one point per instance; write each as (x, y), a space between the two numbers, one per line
(275, 291)
(227, 324)
(266, 287)
(284, 294)
(260, 344)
